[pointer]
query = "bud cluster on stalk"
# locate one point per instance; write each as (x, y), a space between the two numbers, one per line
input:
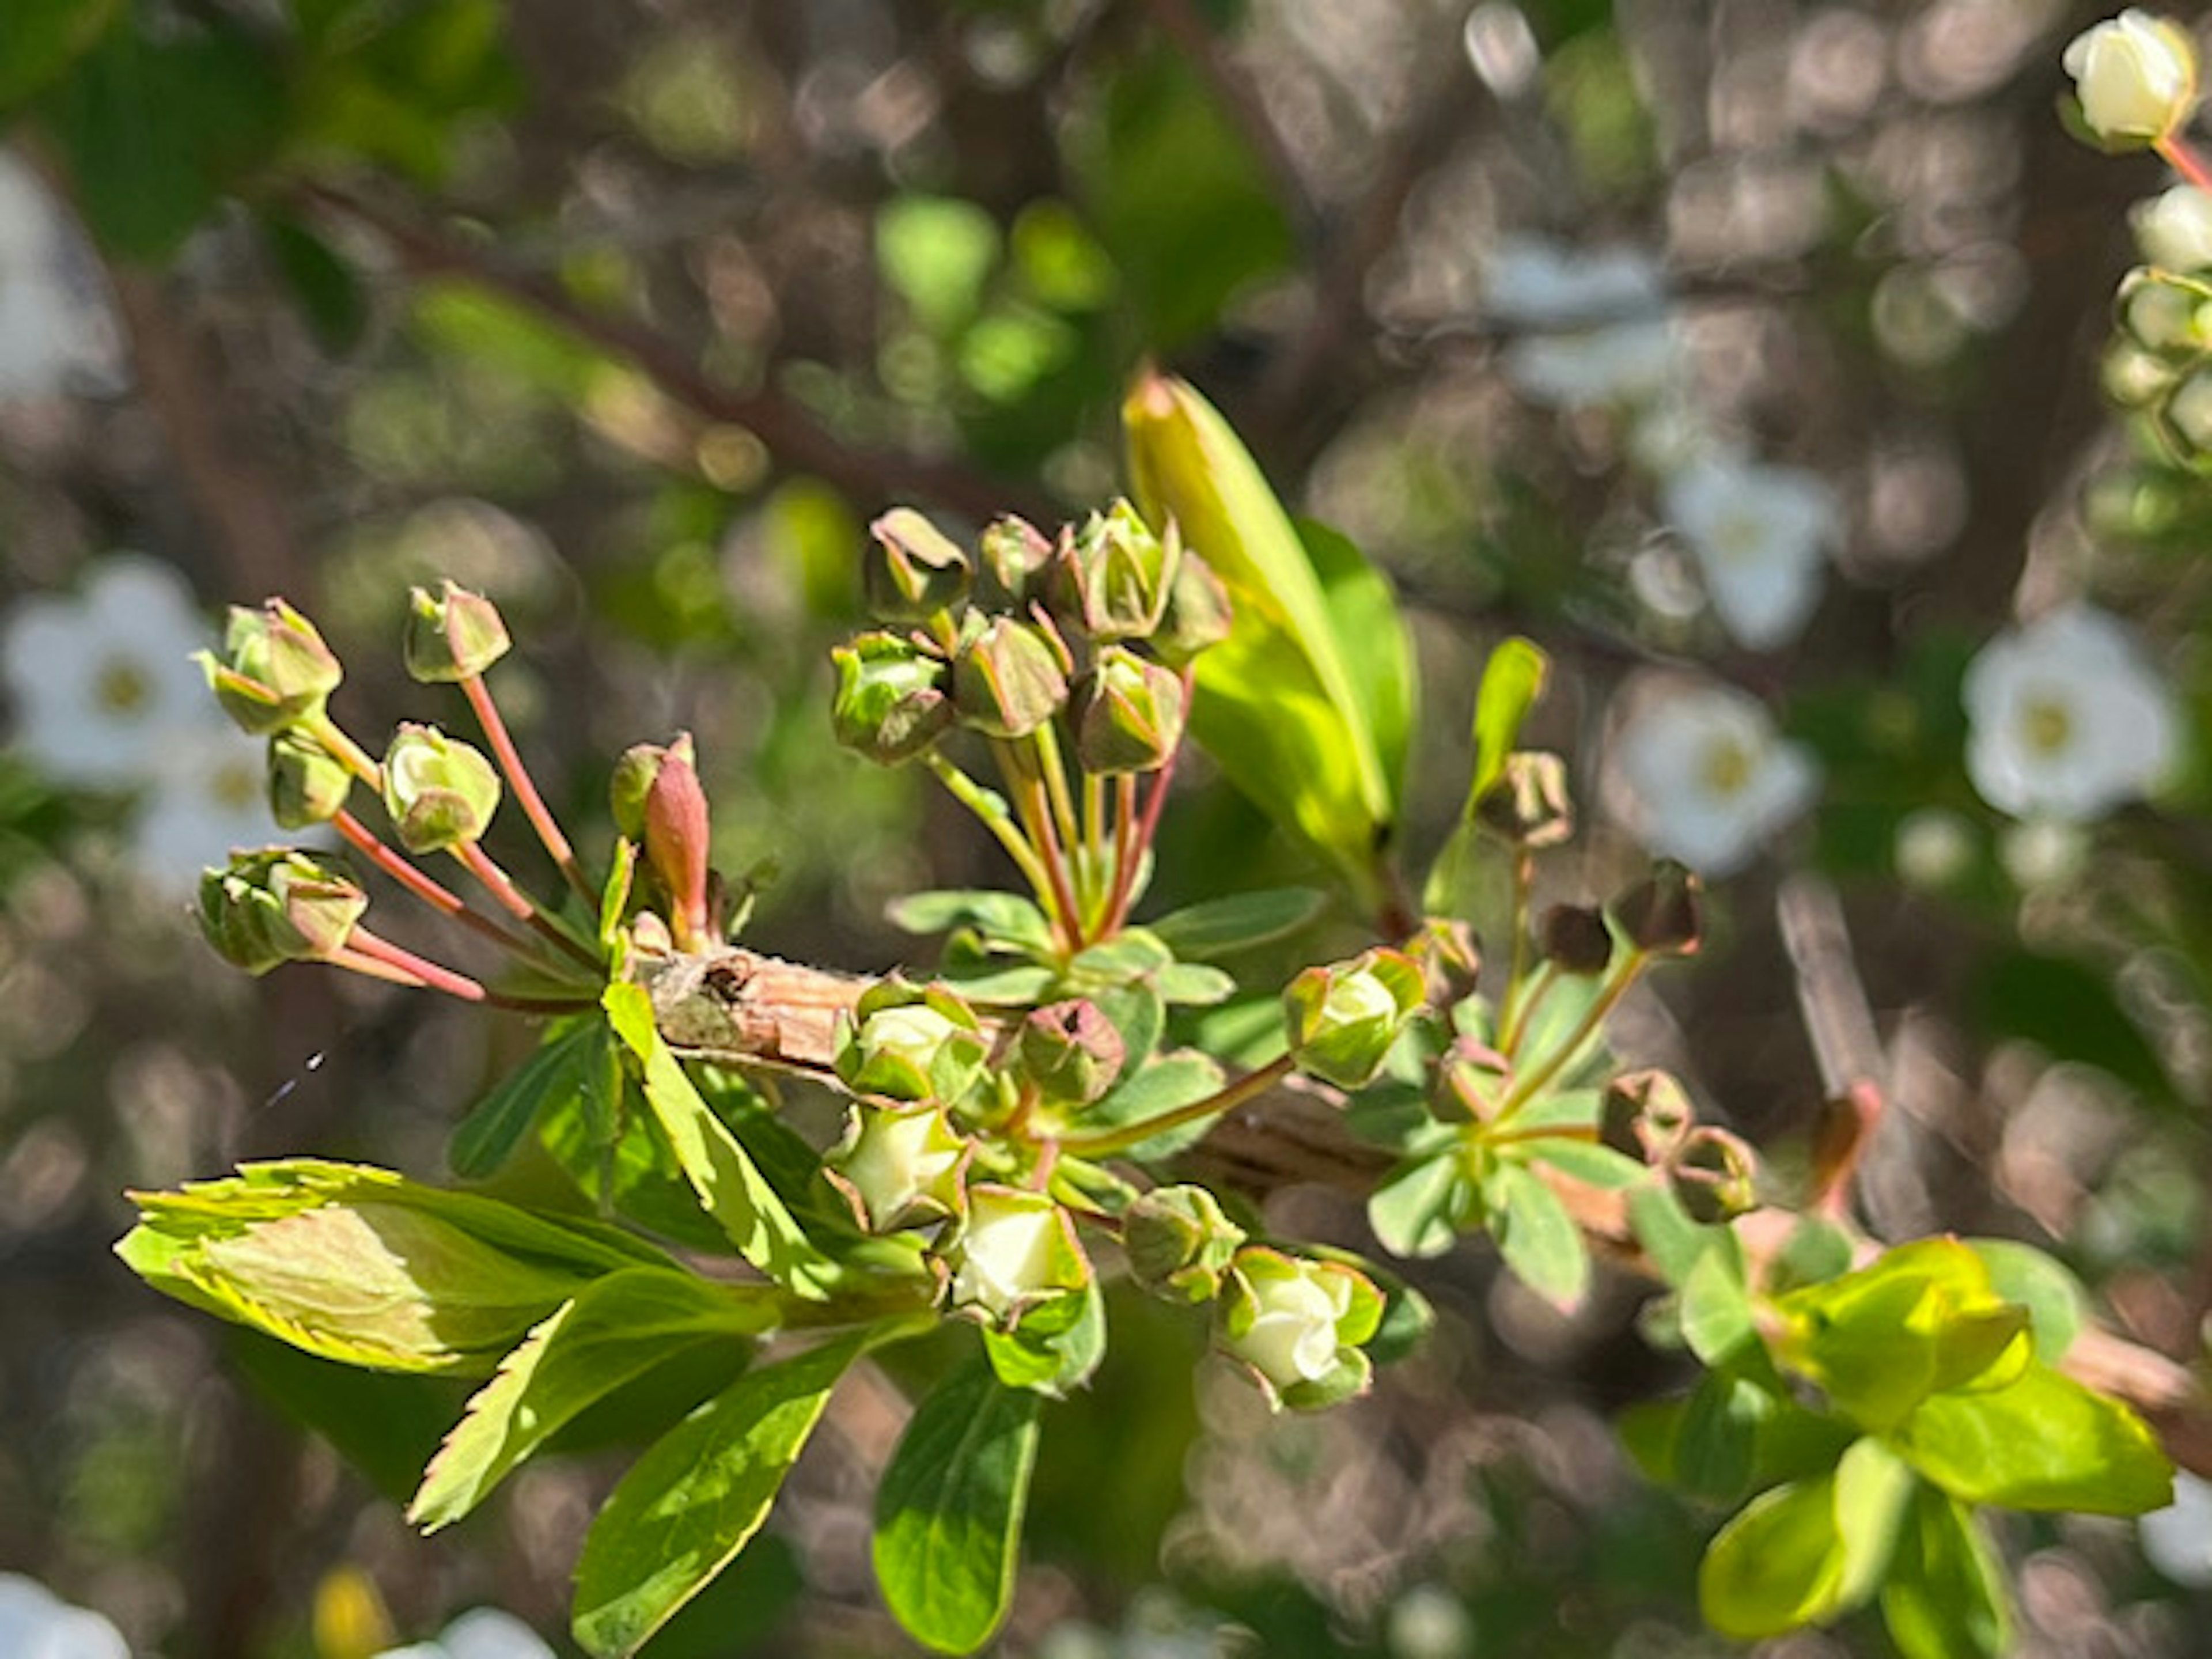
(1093, 628)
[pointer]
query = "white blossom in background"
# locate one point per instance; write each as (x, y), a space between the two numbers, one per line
(102, 685)
(1593, 324)
(36, 1624)
(2174, 230)
(2066, 719)
(1759, 535)
(485, 1633)
(1703, 775)
(55, 328)
(208, 794)
(2177, 1539)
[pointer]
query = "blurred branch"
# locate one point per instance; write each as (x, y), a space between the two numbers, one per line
(793, 434)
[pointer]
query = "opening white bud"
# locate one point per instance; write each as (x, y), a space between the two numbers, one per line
(2136, 76)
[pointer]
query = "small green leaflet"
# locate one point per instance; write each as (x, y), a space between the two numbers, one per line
(1944, 1595)
(948, 1509)
(2043, 1442)
(1536, 1236)
(689, 1505)
(1512, 680)
(577, 1057)
(1221, 926)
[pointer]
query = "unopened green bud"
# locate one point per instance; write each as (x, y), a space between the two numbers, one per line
(274, 671)
(1575, 940)
(1646, 1116)
(2167, 315)
(1297, 1327)
(903, 1043)
(1528, 805)
(452, 634)
(1009, 679)
(1447, 951)
(308, 784)
(276, 906)
(1012, 555)
(1131, 714)
(1070, 1051)
(1714, 1175)
(900, 1167)
(1472, 1081)
(1198, 613)
(1116, 574)
(1017, 1249)
(438, 791)
(1660, 915)
(915, 570)
(2184, 419)
(891, 703)
(1344, 1018)
(1179, 1243)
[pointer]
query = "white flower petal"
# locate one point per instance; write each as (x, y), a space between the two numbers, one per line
(1706, 777)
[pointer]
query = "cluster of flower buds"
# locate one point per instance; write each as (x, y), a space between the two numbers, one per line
(1344, 1018)
(1094, 628)
(1648, 1116)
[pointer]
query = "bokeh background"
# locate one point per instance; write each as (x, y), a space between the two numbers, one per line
(1749, 355)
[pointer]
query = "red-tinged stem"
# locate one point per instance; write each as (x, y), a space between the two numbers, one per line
(431, 892)
(517, 903)
(1228, 1099)
(1017, 764)
(361, 943)
(2174, 150)
(525, 788)
(1125, 856)
(1125, 882)
(371, 968)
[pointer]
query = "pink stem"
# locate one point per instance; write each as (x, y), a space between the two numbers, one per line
(525, 789)
(363, 944)
(431, 892)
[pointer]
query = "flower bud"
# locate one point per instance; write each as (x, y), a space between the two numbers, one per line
(276, 906)
(2184, 419)
(1296, 1326)
(1575, 939)
(1018, 1249)
(1344, 1018)
(1450, 957)
(1199, 614)
(1132, 714)
(1179, 1243)
(452, 634)
(1714, 1175)
(1528, 805)
(1471, 1080)
(2167, 315)
(1659, 915)
(1646, 1116)
(2137, 77)
(915, 570)
(1070, 1051)
(889, 705)
(1116, 574)
(2131, 377)
(906, 1043)
(676, 832)
(2174, 230)
(308, 784)
(900, 1167)
(1012, 555)
(438, 791)
(1009, 679)
(274, 670)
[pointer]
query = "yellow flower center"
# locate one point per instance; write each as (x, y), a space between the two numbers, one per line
(2047, 725)
(122, 687)
(1727, 767)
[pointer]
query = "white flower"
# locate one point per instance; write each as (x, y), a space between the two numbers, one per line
(1017, 1246)
(1621, 362)
(209, 794)
(1758, 535)
(36, 1624)
(54, 328)
(2136, 75)
(2174, 230)
(902, 1166)
(1293, 1336)
(1707, 778)
(485, 1633)
(104, 684)
(2066, 719)
(1533, 283)
(2177, 1539)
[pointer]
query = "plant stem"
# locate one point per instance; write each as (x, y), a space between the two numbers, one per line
(526, 787)
(362, 944)
(427, 888)
(991, 811)
(348, 753)
(2174, 150)
(1018, 765)
(1513, 1020)
(1227, 1099)
(1517, 980)
(1616, 987)
(520, 905)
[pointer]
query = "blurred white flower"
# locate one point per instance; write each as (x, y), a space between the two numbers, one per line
(2066, 719)
(2174, 230)
(54, 327)
(2136, 75)
(2177, 1539)
(36, 1624)
(208, 794)
(1621, 362)
(485, 1634)
(1594, 322)
(1706, 778)
(103, 684)
(1759, 535)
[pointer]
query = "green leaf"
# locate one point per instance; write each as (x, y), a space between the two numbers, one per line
(613, 1331)
(688, 1506)
(1276, 704)
(1004, 920)
(1512, 680)
(1223, 927)
(1671, 1240)
(2045, 1442)
(1004, 987)
(43, 38)
(728, 1183)
(1371, 636)
(1130, 955)
(1589, 1162)
(948, 1508)
(576, 1054)
(328, 292)
(1945, 1595)
(1057, 1345)
(1716, 1442)
(1715, 1302)
(1192, 984)
(2054, 1301)
(1423, 1205)
(1168, 1084)
(1537, 1236)
(1806, 1551)
(384, 1425)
